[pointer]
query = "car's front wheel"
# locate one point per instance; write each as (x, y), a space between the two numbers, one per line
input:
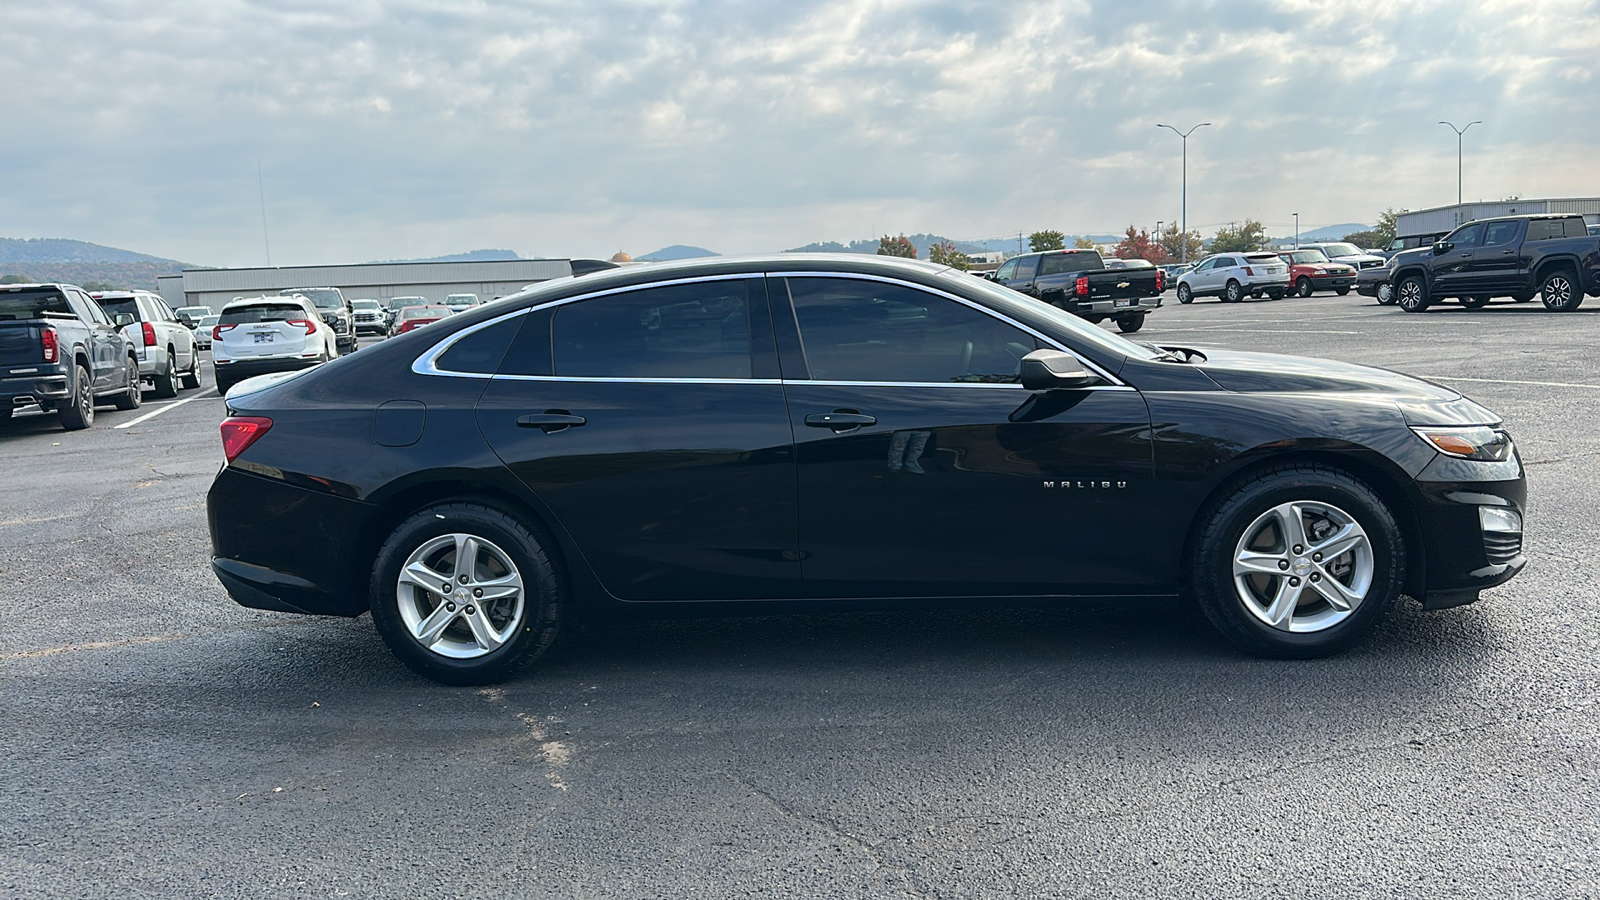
(1185, 294)
(1297, 561)
(1412, 294)
(1385, 294)
(1233, 293)
(465, 594)
(1303, 286)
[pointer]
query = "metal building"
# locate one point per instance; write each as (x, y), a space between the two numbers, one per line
(1445, 218)
(375, 281)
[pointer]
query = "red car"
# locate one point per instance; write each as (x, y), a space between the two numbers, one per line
(1311, 270)
(414, 317)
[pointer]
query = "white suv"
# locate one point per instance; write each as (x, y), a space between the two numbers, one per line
(167, 349)
(1347, 253)
(461, 302)
(1233, 275)
(258, 335)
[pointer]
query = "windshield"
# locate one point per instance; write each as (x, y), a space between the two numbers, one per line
(1003, 297)
(1341, 250)
(208, 321)
(365, 304)
(1308, 256)
(326, 298)
(33, 304)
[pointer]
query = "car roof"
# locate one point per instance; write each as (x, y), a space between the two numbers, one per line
(265, 298)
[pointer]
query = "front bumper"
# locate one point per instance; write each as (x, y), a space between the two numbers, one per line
(1332, 282)
(1463, 557)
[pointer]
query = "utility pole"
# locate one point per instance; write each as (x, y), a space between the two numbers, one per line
(1459, 132)
(1185, 205)
(262, 186)
(1297, 231)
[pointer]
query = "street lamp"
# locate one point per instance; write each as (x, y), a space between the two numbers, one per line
(1297, 231)
(1459, 132)
(1185, 206)
(1159, 223)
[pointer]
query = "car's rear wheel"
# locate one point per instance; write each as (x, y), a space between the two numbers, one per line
(134, 395)
(1412, 294)
(1185, 295)
(191, 378)
(1385, 294)
(78, 412)
(167, 378)
(1233, 293)
(465, 594)
(1560, 291)
(1130, 324)
(1297, 561)
(1276, 295)
(1302, 286)
(1475, 302)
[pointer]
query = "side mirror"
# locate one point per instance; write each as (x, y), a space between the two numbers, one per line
(1442, 247)
(187, 322)
(123, 320)
(1045, 370)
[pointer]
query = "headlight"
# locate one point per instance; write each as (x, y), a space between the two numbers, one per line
(1478, 442)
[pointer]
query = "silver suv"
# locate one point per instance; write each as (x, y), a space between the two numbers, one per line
(1231, 276)
(166, 347)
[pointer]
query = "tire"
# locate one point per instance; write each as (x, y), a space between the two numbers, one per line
(134, 395)
(1412, 294)
(78, 413)
(1302, 286)
(1246, 575)
(1385, 294)
(1343, 292)
(191, 378)
(1477, 302)
(1233, 293)
(1560, 291)
(1130, 324)
(167, 379)
(1276, 295)
(223, 384)
(1522, 298)
(1185, 295)
(466, 648)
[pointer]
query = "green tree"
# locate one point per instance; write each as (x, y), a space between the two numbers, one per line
(1242, 238)
(1172, 241)
(15, 279)
(946, 254)
(1081, 242)
(1046, 240)
(897, 246)
(1137, 244)
(1369, 238)
(1388, 226)
(99, 286)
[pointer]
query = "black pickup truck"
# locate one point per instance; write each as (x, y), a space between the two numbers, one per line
(1086, 285)
(1521, 257)
(58, 349)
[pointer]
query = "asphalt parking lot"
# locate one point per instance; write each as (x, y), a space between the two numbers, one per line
(161, 741)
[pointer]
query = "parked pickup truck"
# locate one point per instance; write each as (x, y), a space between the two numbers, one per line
(58, 349)
(1521, 257)
(1080, 282)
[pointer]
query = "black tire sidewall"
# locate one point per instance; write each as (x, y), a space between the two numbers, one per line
(541, 586)
(1185, 295)
(1574, 293)
(1224, 524)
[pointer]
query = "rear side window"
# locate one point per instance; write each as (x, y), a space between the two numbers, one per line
(1025, 267)
(127, 305)
(1057, 263)
(36, 303)
(1545, 229)
(699, 330)
(263, 312)
(480, 352)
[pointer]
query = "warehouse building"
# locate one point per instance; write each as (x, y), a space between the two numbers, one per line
(1441, 219)
(372, 281)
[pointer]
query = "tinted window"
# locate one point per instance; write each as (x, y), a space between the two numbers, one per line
(1545, 229)
(1470, 236)
(1499, 233)
(699, 330)
(481, 351)
(262, 312)
(1026, 266)
(1006, 271)
(35, 303)
(530, 352)
(1056, 263)
(854, 330)
(120, 305)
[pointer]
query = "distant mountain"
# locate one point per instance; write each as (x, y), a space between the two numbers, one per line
(82, 263)
(677, 251)
(469, 256)
(1326, 233)
(923, 243)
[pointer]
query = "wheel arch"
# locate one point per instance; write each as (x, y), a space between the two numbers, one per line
(1564, 261)
(1388, 481)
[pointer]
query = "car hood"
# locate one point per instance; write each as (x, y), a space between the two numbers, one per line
(1422, 402)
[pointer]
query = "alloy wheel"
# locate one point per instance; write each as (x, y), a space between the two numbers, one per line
(1411, 295)
(1557, 293)
(1303, 566)
(461, 596)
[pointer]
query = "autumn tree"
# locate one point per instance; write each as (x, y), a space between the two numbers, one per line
(1137, 244)
(897, 246)
(945, 253)
(1242, 238)
(1046, 240)
(1173, 241)
(1083, 242)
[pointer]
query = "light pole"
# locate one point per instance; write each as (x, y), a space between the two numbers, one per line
(1159, 223)
(1185, 206)
(1297, 231)
(1459, 132)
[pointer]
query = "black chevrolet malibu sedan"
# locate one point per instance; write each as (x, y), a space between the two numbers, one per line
(819, 432)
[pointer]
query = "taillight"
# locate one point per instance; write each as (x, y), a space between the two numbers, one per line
(406, 326)
(307, 324)
(239, 432)
(1082, 286)
(50, 344)
(217, 330)
(1161, 281)
(1249, 271)
(149, 335)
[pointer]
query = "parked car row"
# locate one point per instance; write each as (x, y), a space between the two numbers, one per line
(59, 350)
(262, 335)
(167, 348)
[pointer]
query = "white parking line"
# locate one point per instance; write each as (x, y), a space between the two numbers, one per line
(156, 412)
(1565, 384)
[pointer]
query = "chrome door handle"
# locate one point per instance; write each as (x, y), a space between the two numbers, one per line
(551, 420)
(840, 420)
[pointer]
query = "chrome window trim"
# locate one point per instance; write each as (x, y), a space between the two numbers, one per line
(1090, 364)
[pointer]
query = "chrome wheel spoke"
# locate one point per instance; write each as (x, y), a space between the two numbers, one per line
(426, 578)
(483, 630)
(1283, 605)
(430, 629)
(1341, 542)
(1338, 596)
(1292, 525)
(1249, 562)
(466, 557)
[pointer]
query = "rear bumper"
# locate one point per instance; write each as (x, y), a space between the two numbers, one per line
(20, 390)
(1108, 308)
(244, 368)
(1267, 285)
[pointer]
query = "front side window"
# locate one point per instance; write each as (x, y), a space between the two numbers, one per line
(698, 330)
(1007, 271)
(1468, 237)
(1026, 266)
(1499, 233)
(858, 330)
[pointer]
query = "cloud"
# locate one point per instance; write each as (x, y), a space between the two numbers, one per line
(388, 130)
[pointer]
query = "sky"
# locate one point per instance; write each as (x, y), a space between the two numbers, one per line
(363, 130)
